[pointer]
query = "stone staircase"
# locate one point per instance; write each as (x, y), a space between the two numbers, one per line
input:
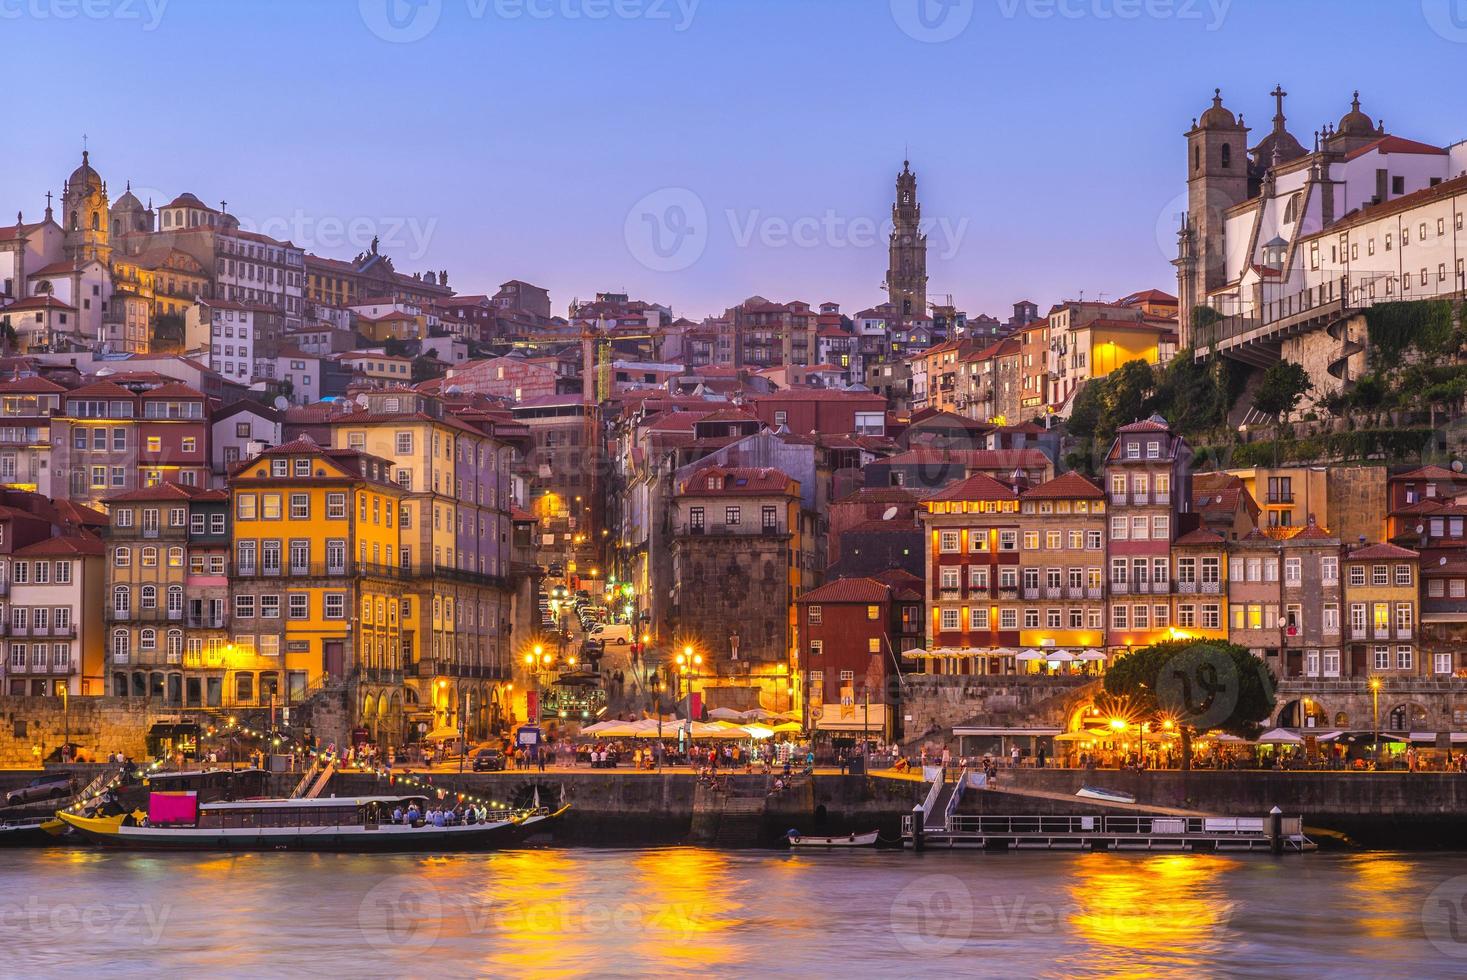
(730, 814)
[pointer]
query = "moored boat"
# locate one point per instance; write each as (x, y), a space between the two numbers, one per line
(351, 824)
(799, 840)
(1105, 795)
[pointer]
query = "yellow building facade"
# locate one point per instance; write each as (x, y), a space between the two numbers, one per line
(316, 579)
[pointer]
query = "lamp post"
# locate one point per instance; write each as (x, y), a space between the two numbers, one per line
(689, 658)
(1375, 710)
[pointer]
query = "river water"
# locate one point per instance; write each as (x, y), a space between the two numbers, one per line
(639, 913)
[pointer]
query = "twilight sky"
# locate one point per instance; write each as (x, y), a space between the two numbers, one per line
(694, 152)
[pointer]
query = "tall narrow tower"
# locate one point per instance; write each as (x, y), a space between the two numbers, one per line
(84, 214)
(906, 274)
(1217, 179)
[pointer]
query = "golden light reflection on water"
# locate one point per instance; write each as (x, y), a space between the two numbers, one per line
(1139, 911)
(689, 902)
(1379, 886)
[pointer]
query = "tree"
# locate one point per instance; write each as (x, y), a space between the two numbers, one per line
(1195, 687)
(1126, 391)
(1283, 385)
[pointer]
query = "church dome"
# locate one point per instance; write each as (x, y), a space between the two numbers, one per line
(128, 201)
(1217, 117)
(84, 177)
(1355, 122)
(1283, 142)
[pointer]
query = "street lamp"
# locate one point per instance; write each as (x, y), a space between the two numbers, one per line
(1375, 706)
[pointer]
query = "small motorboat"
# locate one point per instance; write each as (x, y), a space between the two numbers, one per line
(1104, 795)
(41, 832)
(176, 821)
(799, 840)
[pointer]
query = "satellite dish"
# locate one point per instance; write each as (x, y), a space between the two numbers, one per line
(890, 513)
(1420, 528)
(281, 402)
(1442, 560)
(1456, 466)
(105, 372)
(362, 400)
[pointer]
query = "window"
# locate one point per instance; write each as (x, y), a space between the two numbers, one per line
(1403, 575)
(335, 605)
(732, 516)
(121, 558)
(270, 506)
(404, 443)
(336, 507)
(949, 619)
(948, 542)
(244, 507)
(1329, 569)
(813, 615)
(270, 606)
(817, 648)
(1008, 619)
(1382, 658)
(299, 605)
(244, 606)
(300, 507)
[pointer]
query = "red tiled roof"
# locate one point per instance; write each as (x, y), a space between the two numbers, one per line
(175, 389)
(1201, 536)
(1377, 552)
(166, 492)
(1068, 486)
(979, 486)
(30, 386)
(67, 546)
(36, 303)
(985, 459)
(859, 590)
(735, 479)
(1432, 472)
(880, 495)
(1396, 144)
(104, 388)
(1145, 425)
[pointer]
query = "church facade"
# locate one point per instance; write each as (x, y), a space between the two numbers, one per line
(906, 274)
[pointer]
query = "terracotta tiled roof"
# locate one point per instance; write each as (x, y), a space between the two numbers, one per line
(735, 480)
(71, 545)
(984, 459)
(1431, 473)
(1377, 552)
(1396, 144)
(167, 492)
(30, 386)
(860, 590)
(979, 486)
(37, 303)
(1201, 536)
(1069, 486)
(1146, 425)
(176, 389)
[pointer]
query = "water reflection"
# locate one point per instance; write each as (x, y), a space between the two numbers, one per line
(1150, 913)
(683, 911)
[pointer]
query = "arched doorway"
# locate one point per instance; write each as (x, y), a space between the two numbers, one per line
(1406, 717)
(1303, 713)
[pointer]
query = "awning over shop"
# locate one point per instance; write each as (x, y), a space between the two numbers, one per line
(1038, 732)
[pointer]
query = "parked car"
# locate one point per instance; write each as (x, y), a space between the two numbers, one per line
(51, 786)
(488, 760)
(612, 633)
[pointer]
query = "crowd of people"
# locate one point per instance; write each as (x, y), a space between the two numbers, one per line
(459, 815)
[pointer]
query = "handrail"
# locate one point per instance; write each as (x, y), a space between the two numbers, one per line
(300, 787)
(952, 801)
(931, 800)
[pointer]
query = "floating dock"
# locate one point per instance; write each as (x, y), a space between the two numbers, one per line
(936, 824)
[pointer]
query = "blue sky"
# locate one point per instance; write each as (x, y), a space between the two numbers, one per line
(550, 140)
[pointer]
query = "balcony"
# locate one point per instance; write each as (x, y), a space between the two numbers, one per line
(1403, 634)
(1094, 592)
(207, 621)
(949, 593)
(1052, 593)
(1281, 498)
(1120, 588)
(1031, 593)
(44, 632)
(1212, 588)
(1359, 633)
(1008, 594)
(1118, 500)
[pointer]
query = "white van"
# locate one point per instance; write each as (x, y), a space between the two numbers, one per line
(612, 633)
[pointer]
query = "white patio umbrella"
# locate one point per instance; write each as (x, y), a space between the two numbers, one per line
(1279, 736)
(915, 653)
(1061, 657)
(1031, 655)
(1090, 656)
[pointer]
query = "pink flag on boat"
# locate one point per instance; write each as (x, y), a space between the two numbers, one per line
(180, 807)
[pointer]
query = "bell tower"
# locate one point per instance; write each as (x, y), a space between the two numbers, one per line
(85, 218)
(906, 274)
(1217, 179)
